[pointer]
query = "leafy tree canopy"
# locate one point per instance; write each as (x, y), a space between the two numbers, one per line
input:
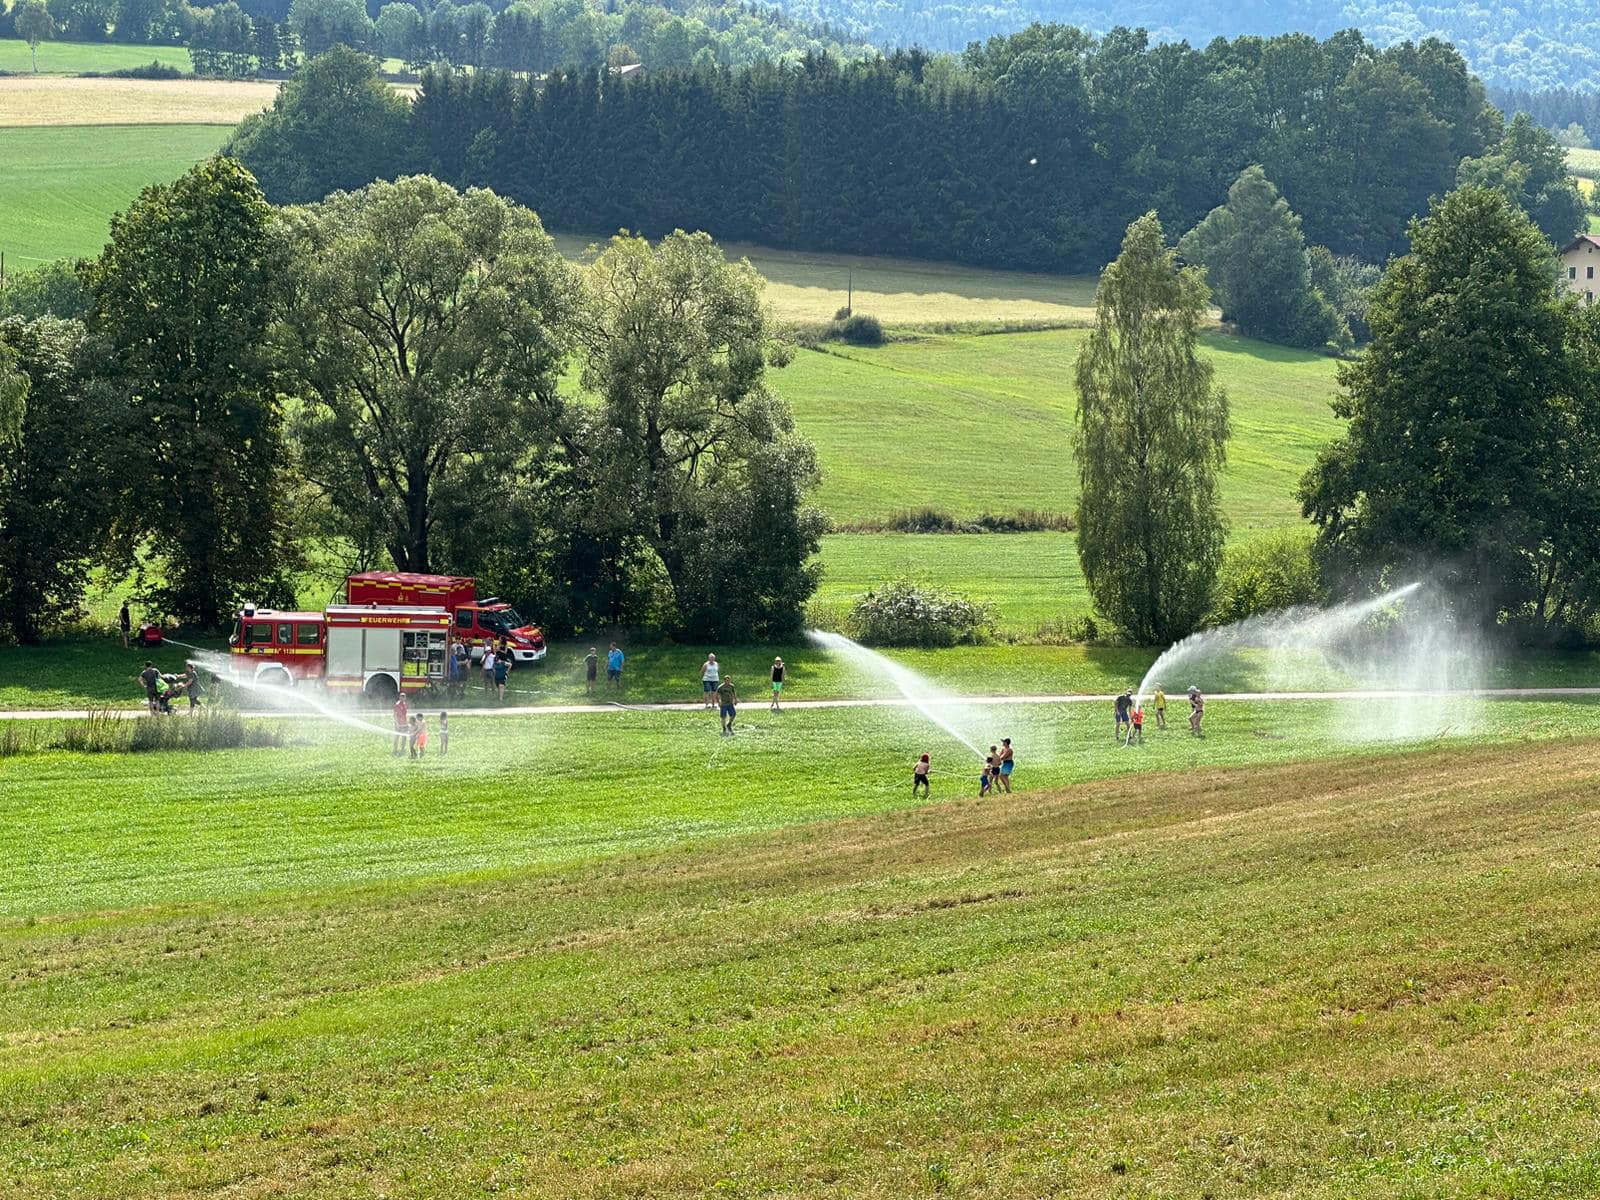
(1530, 167)
(1255, 259)
(1471, 427)
(1151, 438)
(335, 125)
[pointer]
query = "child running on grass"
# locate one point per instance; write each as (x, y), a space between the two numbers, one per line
(986, 780)
(444, 733)
(1138, 725)
(777, 682)
(919, 777)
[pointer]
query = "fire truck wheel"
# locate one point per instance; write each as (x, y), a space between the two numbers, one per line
(274, 677)
(382, 689)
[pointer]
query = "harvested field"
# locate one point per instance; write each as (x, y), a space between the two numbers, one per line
(34, 100)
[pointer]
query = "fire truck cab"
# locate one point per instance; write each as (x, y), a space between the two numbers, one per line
(280, 648)
(474, 622)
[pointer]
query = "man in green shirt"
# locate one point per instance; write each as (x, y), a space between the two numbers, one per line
(730, 700)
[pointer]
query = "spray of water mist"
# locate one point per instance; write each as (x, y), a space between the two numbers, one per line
(943, 708)
(1403, 646)
(287, 699)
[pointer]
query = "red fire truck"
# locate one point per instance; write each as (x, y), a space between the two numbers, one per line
(392, 635)
(376, 650)
(475, 622)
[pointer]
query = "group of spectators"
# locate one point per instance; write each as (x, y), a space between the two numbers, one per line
(720, 693)
(495, 667)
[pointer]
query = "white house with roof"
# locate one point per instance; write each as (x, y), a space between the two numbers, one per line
(1579, 259)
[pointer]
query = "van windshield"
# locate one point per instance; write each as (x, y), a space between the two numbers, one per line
(501, 621)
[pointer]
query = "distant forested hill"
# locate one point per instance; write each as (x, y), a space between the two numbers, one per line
(1531, 44)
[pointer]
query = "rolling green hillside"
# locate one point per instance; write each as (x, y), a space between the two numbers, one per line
(59, 185)
(968, 424)
(975, 423)
(74, 58)
(1354, 977)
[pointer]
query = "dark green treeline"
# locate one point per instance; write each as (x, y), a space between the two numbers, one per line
(1033, 151)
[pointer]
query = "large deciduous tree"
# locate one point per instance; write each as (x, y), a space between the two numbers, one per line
(1254, 254)
(690, 450)
(428, 329)
(1530, 167)
(61, 456)
(336, 124)
(1468, 440)
(1151, 437)
(182, 300)
(323, 24)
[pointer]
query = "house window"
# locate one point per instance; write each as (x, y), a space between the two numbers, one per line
(1588, 297)
(1572, 272)
(1591, 272)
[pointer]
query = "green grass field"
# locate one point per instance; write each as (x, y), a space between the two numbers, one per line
(1032, 579)
(618, 955)
(74, 58)
(975, 423)
(60, 185)
(969, 424)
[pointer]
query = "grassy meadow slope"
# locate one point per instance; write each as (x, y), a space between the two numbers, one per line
(74, 58)
(973, 423)
(59, 185)
(1351, 978)
(809, 288)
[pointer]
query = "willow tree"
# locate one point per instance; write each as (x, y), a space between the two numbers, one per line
(1152, 435)
(688, 449)
(428, 331)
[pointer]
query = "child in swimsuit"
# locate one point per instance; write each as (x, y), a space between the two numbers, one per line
(919, 777)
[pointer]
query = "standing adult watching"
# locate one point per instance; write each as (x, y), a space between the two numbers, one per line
(402, 726)
(125, 623)
(488, 668)
(614, 667)
(710, 677)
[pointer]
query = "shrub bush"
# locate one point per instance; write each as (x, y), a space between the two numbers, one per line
(859, 329)
(903, 613)
(1268, 573)
(936, 520)
(149, 70)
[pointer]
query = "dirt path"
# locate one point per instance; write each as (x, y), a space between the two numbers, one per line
(538, 710)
